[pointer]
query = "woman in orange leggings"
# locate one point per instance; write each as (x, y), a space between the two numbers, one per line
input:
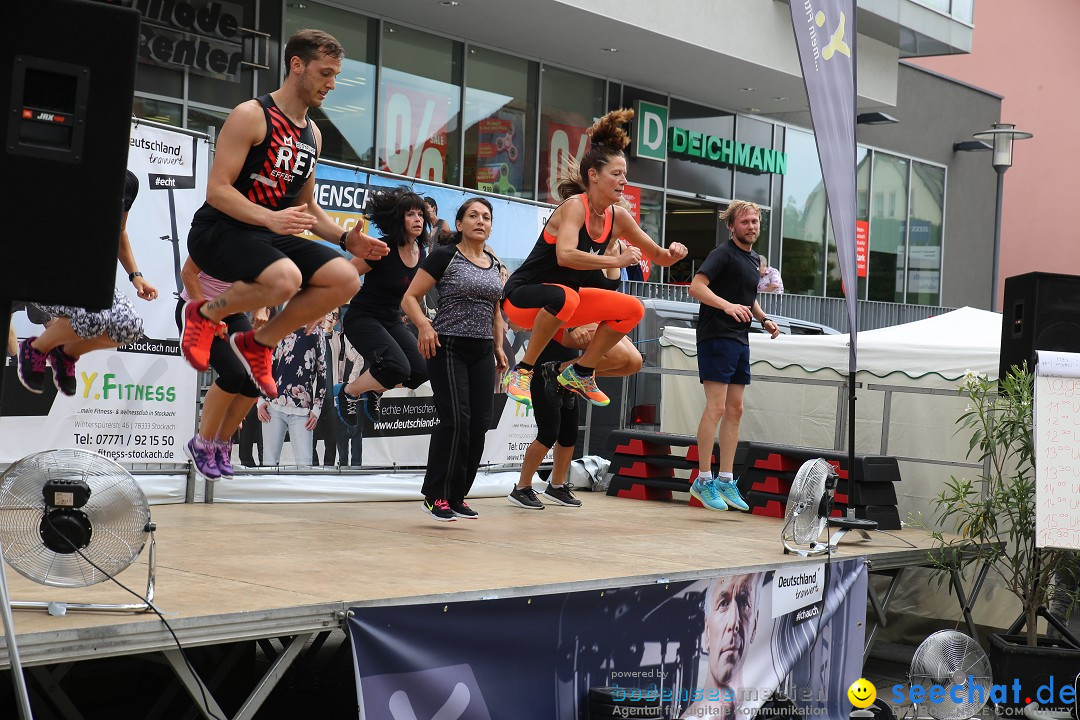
(545, 292)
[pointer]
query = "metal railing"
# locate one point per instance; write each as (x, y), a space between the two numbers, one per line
(822, 310)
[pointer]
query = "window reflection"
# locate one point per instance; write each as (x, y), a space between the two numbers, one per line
(420, 105)
(888, 220)
(804, 217)
(924, 234)
(571, 102)
(346, 118)
(500, 123)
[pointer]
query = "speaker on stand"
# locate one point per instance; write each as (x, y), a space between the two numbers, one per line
(1041, 312)
(71, 67)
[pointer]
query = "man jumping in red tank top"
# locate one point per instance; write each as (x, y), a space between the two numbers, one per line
(260, 196)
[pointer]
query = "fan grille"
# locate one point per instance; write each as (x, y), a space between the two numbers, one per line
(801, 517)
(117, 508)
(951, 659)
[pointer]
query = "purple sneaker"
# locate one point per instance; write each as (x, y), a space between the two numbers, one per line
(31, 367)
(202, 456)
(63, 371)
(222, 454)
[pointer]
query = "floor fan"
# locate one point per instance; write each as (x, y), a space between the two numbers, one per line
(809, 504)
(71, 518)
(955, 662)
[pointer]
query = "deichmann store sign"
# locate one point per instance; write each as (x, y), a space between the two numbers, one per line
(655, 139)
(200, 35)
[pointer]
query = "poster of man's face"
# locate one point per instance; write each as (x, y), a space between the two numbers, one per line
(731, 620)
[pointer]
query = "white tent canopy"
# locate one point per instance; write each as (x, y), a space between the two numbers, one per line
(948, 345)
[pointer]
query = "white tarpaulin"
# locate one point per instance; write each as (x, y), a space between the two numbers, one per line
(946, 345)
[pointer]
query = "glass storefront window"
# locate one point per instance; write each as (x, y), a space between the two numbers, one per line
(888, 232)
(700, 178)
(500, 123)
(420, 105)
(346, 118)
(202, 118)
(805, 210)
(750, 184)
(834, 285)
(162, 111)
(924, 234)
(570, 103)
(159, 80)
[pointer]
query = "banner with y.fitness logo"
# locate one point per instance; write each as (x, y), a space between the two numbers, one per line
(825, 37)
(706, 648)
(135, 404)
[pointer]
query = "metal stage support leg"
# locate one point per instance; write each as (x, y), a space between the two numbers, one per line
(195, 687)
(49, 680)
(880, 606)
(966, 603)
(18, 680)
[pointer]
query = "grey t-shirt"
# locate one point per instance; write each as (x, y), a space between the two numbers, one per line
(468, 293)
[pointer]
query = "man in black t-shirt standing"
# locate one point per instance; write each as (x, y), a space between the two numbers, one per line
(726, 287)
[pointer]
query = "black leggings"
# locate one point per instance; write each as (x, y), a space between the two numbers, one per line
(554, 422)
(231, 375)
(388, 348)
(463, 385)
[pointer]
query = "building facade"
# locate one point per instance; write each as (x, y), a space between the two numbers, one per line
(496, 97)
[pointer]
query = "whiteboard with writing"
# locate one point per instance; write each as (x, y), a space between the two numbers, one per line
(1057, 450)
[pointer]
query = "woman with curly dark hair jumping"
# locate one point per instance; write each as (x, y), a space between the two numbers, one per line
(373, 323)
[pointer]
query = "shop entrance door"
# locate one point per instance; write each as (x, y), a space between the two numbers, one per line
(695, 224)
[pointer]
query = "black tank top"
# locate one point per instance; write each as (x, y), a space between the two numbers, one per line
(277, 168)
(542, 265)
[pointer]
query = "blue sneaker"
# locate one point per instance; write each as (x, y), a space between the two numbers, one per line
(346, 406)
(730, 492)
(705, 492)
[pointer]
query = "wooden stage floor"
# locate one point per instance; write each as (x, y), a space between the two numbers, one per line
(228, 572)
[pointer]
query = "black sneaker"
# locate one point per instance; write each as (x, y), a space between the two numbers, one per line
(346, 406)
(462, 510)
(440, 510)
(562, 495)
(371, 404)
(553, 389)
(31, 367)
(525, 498)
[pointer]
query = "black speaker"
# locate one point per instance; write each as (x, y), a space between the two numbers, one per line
(71, 67)
(1041, 312)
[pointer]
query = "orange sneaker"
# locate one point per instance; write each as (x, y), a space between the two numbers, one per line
(583, 386)
(257, 359)
(518, 382)
(197, 335)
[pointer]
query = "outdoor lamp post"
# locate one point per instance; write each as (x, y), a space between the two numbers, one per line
(1001, 136)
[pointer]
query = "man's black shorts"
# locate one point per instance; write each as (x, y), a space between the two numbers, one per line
(232, 252)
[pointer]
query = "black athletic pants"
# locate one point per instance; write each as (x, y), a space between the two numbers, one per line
(463, 384)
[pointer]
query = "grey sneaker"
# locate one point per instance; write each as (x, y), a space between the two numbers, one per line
(562, 495)
(525, 498)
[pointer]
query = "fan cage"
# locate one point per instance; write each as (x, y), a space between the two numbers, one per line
(952, 659)
(802, 521)
(117, 509)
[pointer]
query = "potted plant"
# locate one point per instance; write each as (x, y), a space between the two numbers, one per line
(993, 516)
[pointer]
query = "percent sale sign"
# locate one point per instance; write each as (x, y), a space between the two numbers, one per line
(414, 133)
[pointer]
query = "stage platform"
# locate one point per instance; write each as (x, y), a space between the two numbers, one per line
(231, 572)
